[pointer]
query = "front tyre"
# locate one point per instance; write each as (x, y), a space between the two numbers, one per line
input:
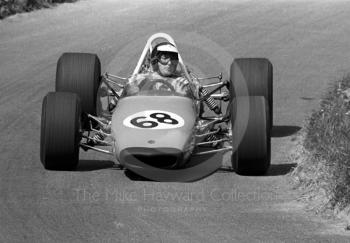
(80, 73)
(60, 131)
(251, 133)
(257, 75)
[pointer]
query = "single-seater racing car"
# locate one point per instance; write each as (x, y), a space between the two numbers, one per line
(161, 128)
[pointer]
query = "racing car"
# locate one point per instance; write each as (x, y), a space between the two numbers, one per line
(159, 128)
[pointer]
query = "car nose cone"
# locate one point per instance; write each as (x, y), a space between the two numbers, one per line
(155, 157)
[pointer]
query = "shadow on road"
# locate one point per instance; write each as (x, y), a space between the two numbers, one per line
(274, 170)
(280, 169)
(225, 169)
(90, 165)
(284, 131)
(135, 177)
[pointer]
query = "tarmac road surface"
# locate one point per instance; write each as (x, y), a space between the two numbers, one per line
(308, 44)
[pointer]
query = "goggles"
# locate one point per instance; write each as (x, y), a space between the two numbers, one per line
(165, 58)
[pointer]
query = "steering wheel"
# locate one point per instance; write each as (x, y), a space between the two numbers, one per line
(149, 84)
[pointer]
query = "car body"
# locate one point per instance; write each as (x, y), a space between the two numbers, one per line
(160, 128)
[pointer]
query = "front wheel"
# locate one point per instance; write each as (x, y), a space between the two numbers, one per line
(60, 131)
(256, 74)
(80, 73)
(250, 135)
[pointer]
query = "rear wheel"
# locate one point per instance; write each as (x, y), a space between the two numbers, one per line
(257, 75)
(60, 131)
(80, 73)
(251, 135)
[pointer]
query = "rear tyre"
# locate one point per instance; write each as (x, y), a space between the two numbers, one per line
(251, 135)
(80, 73)
(60, 131)
(257, 75)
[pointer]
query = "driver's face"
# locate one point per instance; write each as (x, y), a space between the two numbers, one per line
(167, 64)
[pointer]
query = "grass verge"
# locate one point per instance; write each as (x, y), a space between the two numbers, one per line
(323, 154)
(10, 7)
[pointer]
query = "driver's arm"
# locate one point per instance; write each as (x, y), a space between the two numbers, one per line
(133, 84)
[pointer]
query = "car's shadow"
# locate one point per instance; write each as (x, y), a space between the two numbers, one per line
(274, 170)
(91, 165)
(280, 169)
(284, 131)
(135, 177)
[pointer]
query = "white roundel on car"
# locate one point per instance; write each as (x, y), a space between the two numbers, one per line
(154, 119)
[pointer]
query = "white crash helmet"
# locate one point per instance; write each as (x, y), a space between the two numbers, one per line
(160, 48)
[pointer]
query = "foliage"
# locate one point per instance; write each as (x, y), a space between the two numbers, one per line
(10, 7)
(324, 159)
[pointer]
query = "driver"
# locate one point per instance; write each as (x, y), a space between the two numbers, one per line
(164, 61)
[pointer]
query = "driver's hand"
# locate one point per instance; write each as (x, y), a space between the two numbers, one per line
(159, 86)
(181, 85)
(132, 87)
(181, 81)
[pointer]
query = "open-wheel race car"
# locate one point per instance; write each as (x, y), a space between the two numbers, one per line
(162, 128)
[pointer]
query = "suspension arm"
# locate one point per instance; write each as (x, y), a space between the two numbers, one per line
(206, 96)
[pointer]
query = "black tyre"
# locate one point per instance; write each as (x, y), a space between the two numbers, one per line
(257, 74)
(60, 131)
(251, 134)
(80, 73)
